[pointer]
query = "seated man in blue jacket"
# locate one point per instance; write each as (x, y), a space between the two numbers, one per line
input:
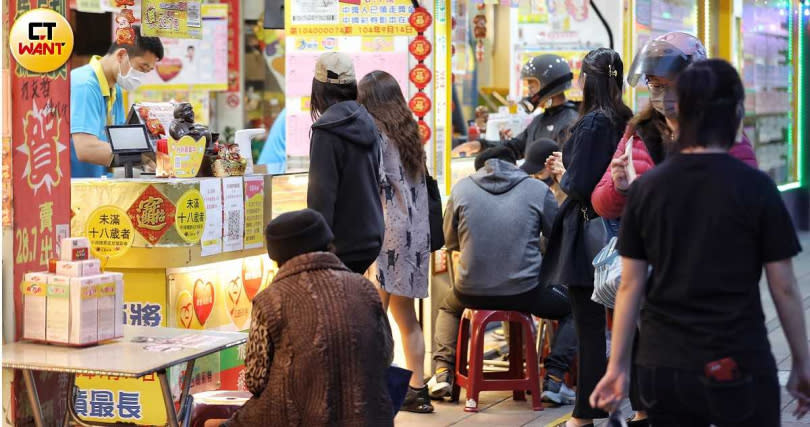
(500, 264)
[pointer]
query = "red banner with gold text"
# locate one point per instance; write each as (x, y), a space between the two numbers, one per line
(40, 156)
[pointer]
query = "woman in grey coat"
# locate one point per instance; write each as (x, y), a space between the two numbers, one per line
(401, 270)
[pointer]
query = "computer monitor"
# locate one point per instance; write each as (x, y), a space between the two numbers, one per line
(128, 139)
(129, 143)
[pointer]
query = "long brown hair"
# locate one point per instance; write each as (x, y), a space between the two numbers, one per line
(380, 93)
(652, 127)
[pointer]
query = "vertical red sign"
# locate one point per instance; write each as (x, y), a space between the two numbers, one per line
(234, 53)
(40, 157)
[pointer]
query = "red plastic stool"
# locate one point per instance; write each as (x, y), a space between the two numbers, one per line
(517, 379)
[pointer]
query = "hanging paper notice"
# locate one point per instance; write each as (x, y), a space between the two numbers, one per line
(185, 65)
(254, 211)
(178, 19)
(234, 226)
(190, 216)
(211, 242)
(315, 12)
(348, 17)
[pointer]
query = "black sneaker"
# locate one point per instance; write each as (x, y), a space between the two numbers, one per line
(418, 401)
(440, 384)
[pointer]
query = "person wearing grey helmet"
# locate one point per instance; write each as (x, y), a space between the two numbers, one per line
(547, 78)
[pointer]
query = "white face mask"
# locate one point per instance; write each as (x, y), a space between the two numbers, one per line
(132, 79)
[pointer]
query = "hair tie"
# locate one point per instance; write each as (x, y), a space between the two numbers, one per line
(612, 72)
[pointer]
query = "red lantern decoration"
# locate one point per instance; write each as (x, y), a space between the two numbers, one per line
(420, 19)
(420, 104)
(424, 131)
(420, 76)
(420, 48)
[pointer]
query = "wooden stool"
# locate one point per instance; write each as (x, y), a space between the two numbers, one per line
(517, 379)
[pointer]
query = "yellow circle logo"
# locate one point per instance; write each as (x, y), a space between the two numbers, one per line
(41, 40)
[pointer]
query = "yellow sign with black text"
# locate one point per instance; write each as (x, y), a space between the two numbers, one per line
(110, 232)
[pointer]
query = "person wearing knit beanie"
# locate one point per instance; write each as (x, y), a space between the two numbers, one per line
(320, 344)
(296, 233)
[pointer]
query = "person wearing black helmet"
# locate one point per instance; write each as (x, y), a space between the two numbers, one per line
(547, 77)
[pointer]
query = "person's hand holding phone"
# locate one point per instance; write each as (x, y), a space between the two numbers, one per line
(622, 169)
(505, 134)
(618, 171)
(554, 164)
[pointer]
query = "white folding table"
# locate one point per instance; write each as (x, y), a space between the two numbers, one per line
(142, 351)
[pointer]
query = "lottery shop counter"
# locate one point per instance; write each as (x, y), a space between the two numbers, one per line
(193, 256)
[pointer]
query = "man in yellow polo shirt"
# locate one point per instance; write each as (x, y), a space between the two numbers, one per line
(96, 100)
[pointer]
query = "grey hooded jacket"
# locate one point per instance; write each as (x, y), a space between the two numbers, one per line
(495, 218)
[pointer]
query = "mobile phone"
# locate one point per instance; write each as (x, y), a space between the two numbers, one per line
(722, 370)
(631, 168)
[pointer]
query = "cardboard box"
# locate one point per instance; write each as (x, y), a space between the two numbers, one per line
(90, 267)
(34, 290)
(58, 310)
(119, 304)
(106, 307)
(74, 249)
(84, 310)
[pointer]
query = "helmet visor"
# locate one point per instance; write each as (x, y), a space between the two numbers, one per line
(657, 58)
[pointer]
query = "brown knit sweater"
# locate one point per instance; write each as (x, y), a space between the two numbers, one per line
(318, 350)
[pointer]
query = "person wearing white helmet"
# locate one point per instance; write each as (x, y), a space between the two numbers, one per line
(547, 77)
(652, 131)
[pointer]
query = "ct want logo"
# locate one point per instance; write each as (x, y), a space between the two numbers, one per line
(41, 40)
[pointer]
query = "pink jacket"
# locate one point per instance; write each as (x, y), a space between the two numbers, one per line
(609, 203)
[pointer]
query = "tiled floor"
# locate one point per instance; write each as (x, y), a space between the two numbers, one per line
(498, 408)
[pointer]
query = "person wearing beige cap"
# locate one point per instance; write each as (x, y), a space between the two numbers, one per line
(344, 168)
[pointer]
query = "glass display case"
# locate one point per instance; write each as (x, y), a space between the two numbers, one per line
(767, 71)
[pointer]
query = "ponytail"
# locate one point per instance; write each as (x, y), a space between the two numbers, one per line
(710, 105)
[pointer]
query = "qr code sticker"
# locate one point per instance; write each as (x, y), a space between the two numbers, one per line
(194, 18)
(233, 229)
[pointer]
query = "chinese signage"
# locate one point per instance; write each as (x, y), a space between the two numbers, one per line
(185, 63)
(178, 19)
(348, 17)
(102, 398)
(152, 214)
(211, 242)
(234, 225)
(110, 232)
(254, 212)
(190, 217)
(38, 150)
(186, 156)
